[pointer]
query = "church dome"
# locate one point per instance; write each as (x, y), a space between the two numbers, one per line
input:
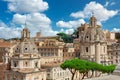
(25, 47)
(93, 34)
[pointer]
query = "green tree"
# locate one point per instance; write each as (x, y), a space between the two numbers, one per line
(108, 69)
(72, 65)
(66, 38)
(84, 66)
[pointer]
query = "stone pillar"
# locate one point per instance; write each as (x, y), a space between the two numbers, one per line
(6, 58)
(12, 64)
(97, 55)
(21, 64)
(97, 52)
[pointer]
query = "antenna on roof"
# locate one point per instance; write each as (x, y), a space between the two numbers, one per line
(92, 13)
(25, 20)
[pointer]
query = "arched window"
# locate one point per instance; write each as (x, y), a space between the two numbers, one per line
(15, 64)
(26, 64)
(25, 48)
(36, 64)
(86, 36)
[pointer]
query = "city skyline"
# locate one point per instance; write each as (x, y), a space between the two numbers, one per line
(52, 17)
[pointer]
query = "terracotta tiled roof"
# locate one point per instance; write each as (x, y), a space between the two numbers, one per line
(5, 44)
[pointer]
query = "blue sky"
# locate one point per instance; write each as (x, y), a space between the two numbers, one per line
(53, 16)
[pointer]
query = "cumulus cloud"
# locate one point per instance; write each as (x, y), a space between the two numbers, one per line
(70, 24)
(35, 22)
(33, 17)
(116, 30)
(67, 31)
(8, 32)
(26, 6)
(100, 12)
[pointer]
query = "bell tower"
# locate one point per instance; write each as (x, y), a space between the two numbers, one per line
(25, 34)
(92, 21)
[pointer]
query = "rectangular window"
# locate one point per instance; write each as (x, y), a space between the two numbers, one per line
(86, 49)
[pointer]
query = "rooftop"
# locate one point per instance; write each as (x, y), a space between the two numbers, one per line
(5, 44)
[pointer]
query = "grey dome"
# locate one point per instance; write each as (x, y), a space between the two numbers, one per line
(25, 47)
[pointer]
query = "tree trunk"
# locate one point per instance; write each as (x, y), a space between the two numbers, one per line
(73, 76)
(99, 75)
(91, 74)
(84, 74)
(73, 73)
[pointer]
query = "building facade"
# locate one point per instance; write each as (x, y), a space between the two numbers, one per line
(40, 61)
(3, 46)
(25, 61)
(92, 41)
(68, 51)
(51, 51)
(114, 53)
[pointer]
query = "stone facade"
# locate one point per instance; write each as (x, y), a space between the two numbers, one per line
(114, 53)
(92, 41)
(3, 46)
(3, 68)
(56, 73)
(51, 51)
(40, 61)
(68, 51)
(25, 61)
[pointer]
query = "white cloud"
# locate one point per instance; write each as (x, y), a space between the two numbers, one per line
(106, 4)
(109, 4)
(78, 14)
(8, 32)
(70, 24)
(116, 30)
(35, 22)
(26, 6)
(100, 12)
(67, 31)
(112, 3)
(2, 24)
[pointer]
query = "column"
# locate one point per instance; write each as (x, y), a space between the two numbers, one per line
(97, 55)
(97, 52)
